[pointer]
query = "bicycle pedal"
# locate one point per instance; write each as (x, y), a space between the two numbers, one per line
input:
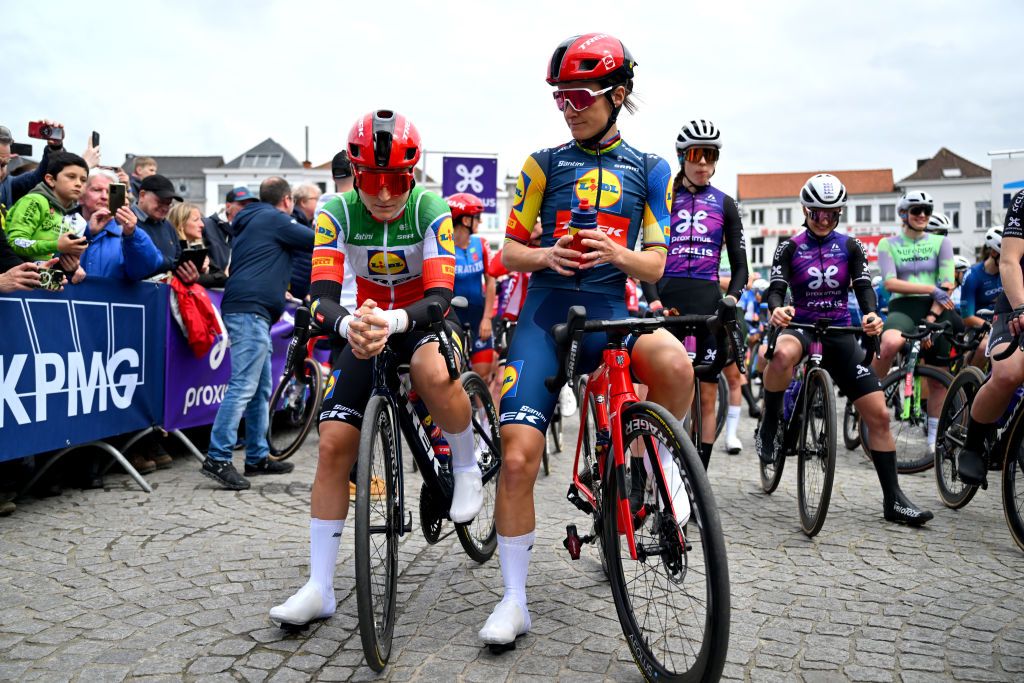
(572, 541)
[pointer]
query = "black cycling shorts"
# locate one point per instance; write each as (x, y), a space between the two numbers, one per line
(695, 297)
(1000, 333)
(351, 380)
(839, 358)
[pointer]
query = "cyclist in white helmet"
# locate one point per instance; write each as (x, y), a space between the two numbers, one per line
(981, 287)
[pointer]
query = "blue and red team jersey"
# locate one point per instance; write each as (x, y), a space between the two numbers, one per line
(470, 267)
(819, 272)
(702, 223)
(629, 189)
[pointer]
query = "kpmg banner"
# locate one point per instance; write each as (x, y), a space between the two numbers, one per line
(475, 175)
(80, 365)
(195, 386)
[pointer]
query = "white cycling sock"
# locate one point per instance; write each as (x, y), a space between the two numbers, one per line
(463, 451)
(324, 539)
(514, 556)
(933, 427)
(732, 421)
(674, 482)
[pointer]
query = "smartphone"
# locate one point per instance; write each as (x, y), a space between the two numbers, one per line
(44, 131)
(95, 139)
(21, 149)
(197, 255)
(118, 197)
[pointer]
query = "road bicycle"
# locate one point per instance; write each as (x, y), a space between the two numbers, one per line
(665, 559)
(906, 397)
(381, 517)
(1004, 451)
(808, 429)
(296, 398)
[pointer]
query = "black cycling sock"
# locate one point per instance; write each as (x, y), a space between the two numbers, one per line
(772, 406)
(748, 395)
(705, 453)
(976, 435)
(885, 467)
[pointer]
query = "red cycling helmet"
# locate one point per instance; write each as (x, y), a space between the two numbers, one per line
(591, 57)
(384, 139)
(464, 204)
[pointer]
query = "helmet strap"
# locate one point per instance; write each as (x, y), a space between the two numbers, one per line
(595, 141)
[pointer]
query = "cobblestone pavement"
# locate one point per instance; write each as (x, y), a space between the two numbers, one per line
(117, 585)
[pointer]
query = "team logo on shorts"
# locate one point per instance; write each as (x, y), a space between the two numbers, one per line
(331, 381)
(387, 262)
(510, 383)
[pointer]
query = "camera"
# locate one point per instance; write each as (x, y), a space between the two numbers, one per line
(51, 279)
(44, 131)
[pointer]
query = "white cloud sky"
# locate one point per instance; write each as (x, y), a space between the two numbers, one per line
(793, 85)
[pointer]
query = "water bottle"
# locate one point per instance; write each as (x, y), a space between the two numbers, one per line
(582, 218)
(1014, 400)
(442, 451)
(789, 399)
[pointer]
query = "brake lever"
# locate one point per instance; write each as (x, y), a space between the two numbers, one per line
(444, 341)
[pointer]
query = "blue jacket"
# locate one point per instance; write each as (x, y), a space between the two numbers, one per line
(302, 262)
(163, 235)
(111, 254)
(261, 260)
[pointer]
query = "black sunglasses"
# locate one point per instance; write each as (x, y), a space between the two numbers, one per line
(920, 210)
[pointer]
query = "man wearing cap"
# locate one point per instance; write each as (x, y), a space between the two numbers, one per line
(156, 194)
(217, 229)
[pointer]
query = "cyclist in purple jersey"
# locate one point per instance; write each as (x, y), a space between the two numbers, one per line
(1007, 375)
(703, 221)
(819, 266)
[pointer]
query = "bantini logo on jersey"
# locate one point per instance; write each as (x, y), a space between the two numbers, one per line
(387, 262)
(611, 188)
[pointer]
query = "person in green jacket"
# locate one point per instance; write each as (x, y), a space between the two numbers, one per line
(39, 226)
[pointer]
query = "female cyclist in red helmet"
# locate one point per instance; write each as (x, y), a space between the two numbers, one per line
(593, 77)
(397, 238)
(472, 258)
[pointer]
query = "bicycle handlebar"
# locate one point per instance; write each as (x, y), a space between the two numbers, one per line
(823, 327)
(926, 329)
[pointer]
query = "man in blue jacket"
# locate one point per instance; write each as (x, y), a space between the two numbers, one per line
(266, 237)
(117, 249)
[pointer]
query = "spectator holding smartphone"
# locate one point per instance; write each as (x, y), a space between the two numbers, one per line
(13, 188)
(40, 224)
(187, 220)
(116, 248)
(156, 194)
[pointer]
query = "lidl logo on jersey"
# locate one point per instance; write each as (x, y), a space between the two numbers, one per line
(326, 231)
(510, 382)
(445, 239)
(610, 186)
(64, 359)
(387, 262)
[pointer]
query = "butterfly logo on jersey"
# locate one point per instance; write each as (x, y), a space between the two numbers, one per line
(821, 278)
(685, 221)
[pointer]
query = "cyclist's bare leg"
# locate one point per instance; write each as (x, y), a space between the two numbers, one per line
(735, 381)
(339, 446)
(872, 411)
(660, 361)
(778, 372)
(892, 342)
(978, 358)
(995, 394)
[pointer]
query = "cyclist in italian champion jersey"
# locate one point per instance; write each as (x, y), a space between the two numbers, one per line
(818, 266)
(1007, 375)
(704, 220)
(918, 269)
(397, 238)
(593, 75)
(472, 257)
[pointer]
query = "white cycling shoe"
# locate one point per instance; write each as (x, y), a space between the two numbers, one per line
(508, 621)
(468, 497)
(733, 445)
(305, 606)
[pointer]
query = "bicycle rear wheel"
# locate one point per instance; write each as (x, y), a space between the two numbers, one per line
(673, 600)
(298, 400)
(721, 410)
(851, 426)
(378, 521)
(951, 436)
(816, 464)
(479, 537)
(910, 434)
(556, 433)
(1013, 486)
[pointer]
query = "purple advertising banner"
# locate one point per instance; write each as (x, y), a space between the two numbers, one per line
(194, 387)
(476, 175)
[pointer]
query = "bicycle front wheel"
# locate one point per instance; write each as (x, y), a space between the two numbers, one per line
(910, 433)
(816, 464)
(479, 537)
(378, 521)
(673, 599)
(297, 399)
(952, 435)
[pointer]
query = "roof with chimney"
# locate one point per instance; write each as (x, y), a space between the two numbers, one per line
(946, 165)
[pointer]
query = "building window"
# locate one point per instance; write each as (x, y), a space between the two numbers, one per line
(887, 213)
(222, 192)
(863, 214)
(844, 216)
(322, 186)
(983, 215)
(261, 161)
(952, 211)
(785, 216)
(757, 217)
(757, 251)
